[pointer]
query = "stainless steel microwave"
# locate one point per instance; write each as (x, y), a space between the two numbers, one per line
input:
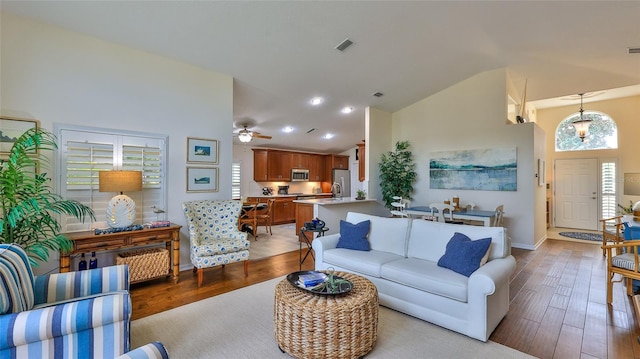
(298, 175)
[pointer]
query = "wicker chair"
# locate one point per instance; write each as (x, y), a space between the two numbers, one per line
(611, 231)
(214, 236)
(626, 264)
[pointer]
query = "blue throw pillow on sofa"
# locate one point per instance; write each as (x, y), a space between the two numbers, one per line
(354, 236)
(464, 255)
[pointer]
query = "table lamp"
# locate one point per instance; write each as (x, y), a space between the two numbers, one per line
(121, 210)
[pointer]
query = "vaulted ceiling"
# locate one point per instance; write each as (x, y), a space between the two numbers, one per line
(281, 54)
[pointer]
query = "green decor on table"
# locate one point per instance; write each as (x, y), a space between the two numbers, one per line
(360, 194)
(28, 205)
(397, 173)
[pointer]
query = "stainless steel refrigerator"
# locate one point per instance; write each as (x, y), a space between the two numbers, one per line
(343, 178)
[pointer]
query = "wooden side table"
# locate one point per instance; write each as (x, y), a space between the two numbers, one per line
(304, 238)
(88, 241)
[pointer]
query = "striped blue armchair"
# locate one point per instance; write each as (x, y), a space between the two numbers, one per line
(68, 315)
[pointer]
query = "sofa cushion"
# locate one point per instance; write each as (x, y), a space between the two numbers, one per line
(386, 234)
(428, 240)
(367, 263)
(354, 236)
(427, 276)
(464, 255)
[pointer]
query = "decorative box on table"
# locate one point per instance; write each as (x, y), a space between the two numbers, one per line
(145, 264)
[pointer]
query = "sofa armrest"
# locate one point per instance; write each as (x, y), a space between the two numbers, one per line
(484, 280)
(63, 286)
(63, 320)
(321, 244)
(154, 350)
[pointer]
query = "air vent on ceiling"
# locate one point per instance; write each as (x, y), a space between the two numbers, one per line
(634, 50)
(343, 45)
(377, 94)
(311, 130)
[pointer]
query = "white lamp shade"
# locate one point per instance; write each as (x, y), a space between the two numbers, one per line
(244, 137)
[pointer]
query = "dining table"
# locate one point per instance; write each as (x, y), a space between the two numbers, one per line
(486, 217)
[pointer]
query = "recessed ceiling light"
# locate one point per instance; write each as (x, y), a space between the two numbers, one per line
(316, 101)
(347, 109)
(328, 136)
(287, 129)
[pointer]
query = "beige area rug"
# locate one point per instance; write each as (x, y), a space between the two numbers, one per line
(282, 240)
(239, 324)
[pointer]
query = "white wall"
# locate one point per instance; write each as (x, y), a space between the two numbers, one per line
(57, 76)
(472, 114)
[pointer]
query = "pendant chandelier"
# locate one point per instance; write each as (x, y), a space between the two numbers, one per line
(582, 125)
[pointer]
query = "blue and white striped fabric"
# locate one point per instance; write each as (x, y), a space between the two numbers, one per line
(153, 350)
(63, 286)
(68, 315)
(16, 280)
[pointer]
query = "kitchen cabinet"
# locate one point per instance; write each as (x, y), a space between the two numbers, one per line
(284, 210)
(300, 160)
(316, 168)
(304, 213)
(259, 165)
(361, 159)
(331, 162)
(278, 166)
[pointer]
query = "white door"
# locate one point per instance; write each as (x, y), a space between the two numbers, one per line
(576, 185)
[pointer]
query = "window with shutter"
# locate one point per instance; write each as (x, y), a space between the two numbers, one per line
(235, 180)
(84, 152)
(609, 194)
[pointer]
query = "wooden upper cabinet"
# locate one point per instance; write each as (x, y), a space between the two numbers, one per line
(300, 160)
(340, 161)
(316, 168)
(260, 165)
(361, 159)
(279, 166)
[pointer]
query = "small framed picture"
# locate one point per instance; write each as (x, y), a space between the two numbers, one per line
(202, 150)
(11, 128)
(202, 179)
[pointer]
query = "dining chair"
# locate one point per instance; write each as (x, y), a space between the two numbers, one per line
(266, 217)
(498, 219)
(612, 231)
(248, 216)
(444, 212)
(399, 205)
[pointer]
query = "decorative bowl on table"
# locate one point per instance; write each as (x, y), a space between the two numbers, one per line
(320, 283)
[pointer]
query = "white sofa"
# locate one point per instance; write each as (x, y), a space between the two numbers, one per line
(402, 263)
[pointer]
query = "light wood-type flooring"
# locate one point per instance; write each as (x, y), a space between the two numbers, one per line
(558, 300)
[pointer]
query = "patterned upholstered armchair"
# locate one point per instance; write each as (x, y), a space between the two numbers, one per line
(214, 236)
(68, 315)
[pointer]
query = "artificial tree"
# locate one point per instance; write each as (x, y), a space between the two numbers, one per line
(28, 205)
(397, 173)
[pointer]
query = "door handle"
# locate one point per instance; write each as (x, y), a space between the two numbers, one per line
(593, 197)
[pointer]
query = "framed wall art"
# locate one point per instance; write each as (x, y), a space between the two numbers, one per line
(202, 151)
(202, 179)
(11, 128)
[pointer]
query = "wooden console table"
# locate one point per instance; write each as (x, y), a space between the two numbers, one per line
(88, 241)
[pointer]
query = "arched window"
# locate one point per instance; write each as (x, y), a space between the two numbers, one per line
(603, 133)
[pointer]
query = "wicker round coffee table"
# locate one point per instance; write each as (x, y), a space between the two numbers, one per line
(309, 325)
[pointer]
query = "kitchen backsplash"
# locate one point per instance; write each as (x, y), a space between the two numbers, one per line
(294, 187)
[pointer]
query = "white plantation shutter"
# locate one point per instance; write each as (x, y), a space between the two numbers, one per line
(235, 180)
(84, 153)
(608, 180)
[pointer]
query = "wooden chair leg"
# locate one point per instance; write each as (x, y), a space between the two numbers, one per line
(200, 276)
(246, 268)
(609, 289)
(629, 287)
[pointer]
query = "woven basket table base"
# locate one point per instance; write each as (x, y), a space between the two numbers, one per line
(323, 326)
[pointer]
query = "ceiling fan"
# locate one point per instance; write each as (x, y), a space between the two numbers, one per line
(245, 135)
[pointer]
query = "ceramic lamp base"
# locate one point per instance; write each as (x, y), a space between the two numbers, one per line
(121, 211)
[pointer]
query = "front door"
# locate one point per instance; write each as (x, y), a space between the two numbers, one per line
(576, 185)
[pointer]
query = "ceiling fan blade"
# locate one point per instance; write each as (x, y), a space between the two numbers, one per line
(258, 135)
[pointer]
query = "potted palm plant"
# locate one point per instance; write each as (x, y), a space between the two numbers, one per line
(28, 205)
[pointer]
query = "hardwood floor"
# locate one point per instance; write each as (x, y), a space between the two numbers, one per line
(558, 300)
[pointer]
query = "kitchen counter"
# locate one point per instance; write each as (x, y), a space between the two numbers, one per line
(332, 210)
(333, 201)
